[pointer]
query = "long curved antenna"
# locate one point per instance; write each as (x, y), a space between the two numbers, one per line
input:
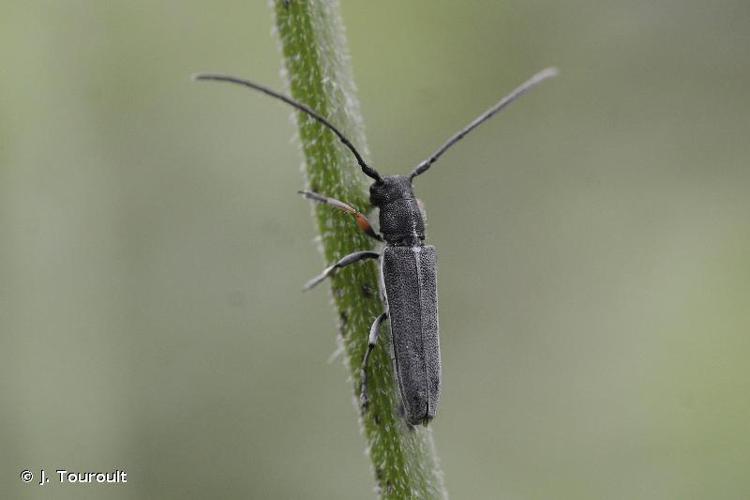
(518, 92)
(369, 171)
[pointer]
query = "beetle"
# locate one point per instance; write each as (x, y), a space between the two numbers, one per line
(408, 266)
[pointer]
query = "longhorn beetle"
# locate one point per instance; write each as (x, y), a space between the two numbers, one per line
(407, 266)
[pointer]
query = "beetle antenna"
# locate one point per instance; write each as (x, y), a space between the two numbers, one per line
(368, 170)
(505, 101)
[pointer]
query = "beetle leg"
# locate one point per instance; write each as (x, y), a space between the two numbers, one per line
(362, 222)
(371, 342)
(345, 261)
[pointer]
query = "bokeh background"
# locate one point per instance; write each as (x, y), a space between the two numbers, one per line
(594, 247)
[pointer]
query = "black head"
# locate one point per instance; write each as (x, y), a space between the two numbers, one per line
(389, 189)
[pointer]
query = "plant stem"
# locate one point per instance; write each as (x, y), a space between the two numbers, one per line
(318, 73)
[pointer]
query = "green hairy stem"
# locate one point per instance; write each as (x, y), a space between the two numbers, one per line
(318, 74)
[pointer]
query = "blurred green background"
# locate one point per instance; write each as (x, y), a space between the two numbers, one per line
(594, 247)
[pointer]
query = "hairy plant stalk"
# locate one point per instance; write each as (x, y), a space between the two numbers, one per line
(318, 73)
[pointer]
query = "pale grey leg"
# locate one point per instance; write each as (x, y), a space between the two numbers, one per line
(372, 341)
(360, 218)
(345, 261)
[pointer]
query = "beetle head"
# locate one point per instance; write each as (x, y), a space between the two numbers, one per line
(390, 189)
